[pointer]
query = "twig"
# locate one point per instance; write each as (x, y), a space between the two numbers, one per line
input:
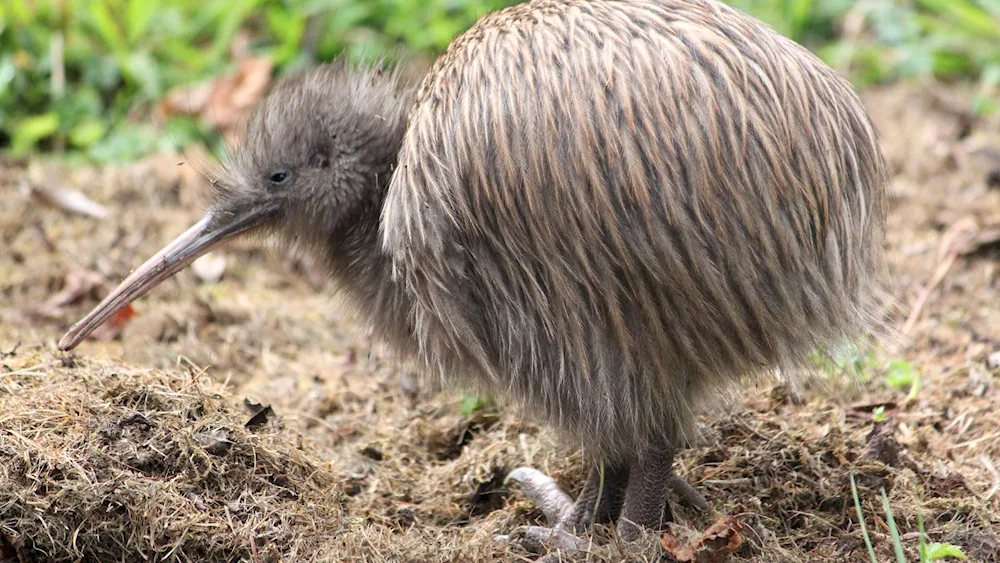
(988, 463)
(953, 249)
(976, 441)
(925, 293)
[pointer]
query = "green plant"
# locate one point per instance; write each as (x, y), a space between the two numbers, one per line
(935, 551)
(472, 403)
(928, 552)
(897, 544)
(938, 551)
(76, 74)
(902, 375)
(849, 360)
(878, 415)
(861, 521)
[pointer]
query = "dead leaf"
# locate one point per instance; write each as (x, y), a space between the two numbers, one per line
(70, 200)
(944, 485)
(222, 101)
(210, 267)
(882, 445)
(77, 284)
(113, 326)
(714, 545)
(80, 284)
(12, 547)
(11, 353)
(982, 240)
(260, 413)
(216, 443)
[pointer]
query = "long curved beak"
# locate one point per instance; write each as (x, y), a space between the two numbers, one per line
(202, 237)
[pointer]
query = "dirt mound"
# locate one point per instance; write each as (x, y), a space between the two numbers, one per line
(103, 463)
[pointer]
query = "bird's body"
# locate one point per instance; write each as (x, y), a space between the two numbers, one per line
(603, 210)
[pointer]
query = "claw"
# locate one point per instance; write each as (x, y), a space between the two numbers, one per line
(538, 539)
(543, 491)
(688, 495)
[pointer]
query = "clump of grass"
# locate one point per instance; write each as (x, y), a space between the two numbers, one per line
(928, 552)
(115, 464)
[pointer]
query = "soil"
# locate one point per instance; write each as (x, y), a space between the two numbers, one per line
(154, 442)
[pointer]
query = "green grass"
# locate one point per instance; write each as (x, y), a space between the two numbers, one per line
(79, 77)
(928, 552)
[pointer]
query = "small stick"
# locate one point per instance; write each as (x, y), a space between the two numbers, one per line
(951, 246)
(925, 293)
(988, 464)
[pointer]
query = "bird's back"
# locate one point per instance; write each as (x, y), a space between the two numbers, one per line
(605, 208)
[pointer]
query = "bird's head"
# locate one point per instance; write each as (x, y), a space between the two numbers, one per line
(315, 157)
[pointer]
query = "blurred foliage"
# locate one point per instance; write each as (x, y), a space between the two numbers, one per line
(879, 41)
(76, 75)
(73, 72)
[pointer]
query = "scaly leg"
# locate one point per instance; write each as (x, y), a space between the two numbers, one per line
(646, 504)
(600, 501)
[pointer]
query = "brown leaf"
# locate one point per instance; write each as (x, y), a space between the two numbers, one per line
(12, 548)
(80, 284)
(216, 443)
(77, 284)
(113, 326)
(714, 545)
(944, 485)
(188, 100)
(222, 101)
(982, 240)
(882, 444)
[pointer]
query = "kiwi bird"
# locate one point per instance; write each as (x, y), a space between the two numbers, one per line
(604, 211)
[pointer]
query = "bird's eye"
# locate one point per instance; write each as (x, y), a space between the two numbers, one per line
(278, 177)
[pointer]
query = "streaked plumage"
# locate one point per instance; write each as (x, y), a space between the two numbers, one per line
(611, 207)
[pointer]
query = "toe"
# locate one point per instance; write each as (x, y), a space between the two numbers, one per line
(539, 540)
(543, 491)
(688, 495)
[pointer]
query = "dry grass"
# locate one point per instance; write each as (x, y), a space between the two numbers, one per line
(104, 461)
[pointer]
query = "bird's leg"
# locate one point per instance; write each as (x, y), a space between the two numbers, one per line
(646, 504)
(601, 499)
(634, 495)
(599, 502)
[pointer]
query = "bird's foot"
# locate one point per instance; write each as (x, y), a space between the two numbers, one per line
(600, 502)
(686, 493)
(541, 539)
(565, 517)
(557, 507)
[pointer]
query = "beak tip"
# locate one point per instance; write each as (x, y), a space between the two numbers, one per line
(66, 343)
